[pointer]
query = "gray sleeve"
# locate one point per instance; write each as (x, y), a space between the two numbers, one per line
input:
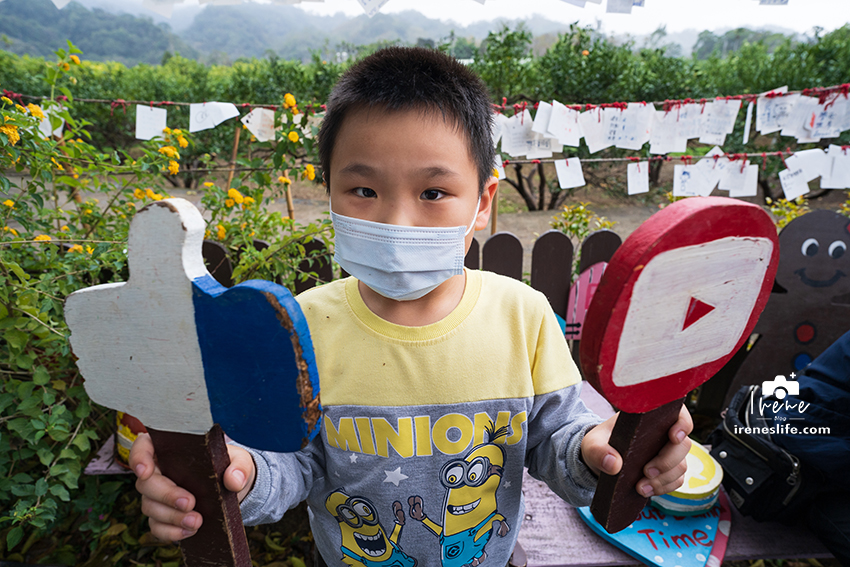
(282, 481)
(556, 427)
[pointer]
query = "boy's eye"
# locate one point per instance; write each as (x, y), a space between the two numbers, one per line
(365, 192)
(432, 194)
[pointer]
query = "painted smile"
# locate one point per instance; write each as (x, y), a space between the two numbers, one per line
(374, 546)
(819, 283)
(465, 509)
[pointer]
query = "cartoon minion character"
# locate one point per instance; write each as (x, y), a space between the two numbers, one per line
(470, 514)
(364, 541)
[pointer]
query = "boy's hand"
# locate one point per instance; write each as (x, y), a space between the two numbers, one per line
(169, 507)
(664, 473)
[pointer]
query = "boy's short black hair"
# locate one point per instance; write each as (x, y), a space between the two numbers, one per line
(414, 78)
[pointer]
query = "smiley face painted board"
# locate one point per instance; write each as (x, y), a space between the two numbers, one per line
(676, 301)
(182, 353)
(810, 306)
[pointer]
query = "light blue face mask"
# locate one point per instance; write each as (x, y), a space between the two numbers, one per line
(399, 262)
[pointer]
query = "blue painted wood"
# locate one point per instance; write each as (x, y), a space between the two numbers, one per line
(253, 352)
(662, 540)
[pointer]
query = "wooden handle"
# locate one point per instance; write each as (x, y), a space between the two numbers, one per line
(638, 437)
(197, 463)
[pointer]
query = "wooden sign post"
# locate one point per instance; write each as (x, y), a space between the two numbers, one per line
(676, 301)
(190, 358)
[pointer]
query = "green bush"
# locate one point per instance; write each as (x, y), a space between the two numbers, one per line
(65, 220)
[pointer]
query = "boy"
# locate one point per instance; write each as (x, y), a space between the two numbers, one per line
(438, 384)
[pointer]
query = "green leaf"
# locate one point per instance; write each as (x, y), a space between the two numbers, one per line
(82, 443)
(40, 377)
(16, 339)
(14, 537)
(60, 492)
(41, 487)
(45, 455)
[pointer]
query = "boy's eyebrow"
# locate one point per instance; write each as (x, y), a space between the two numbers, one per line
(363, 169)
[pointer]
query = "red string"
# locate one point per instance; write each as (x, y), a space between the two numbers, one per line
(14, 96)
(118, 102)
(764, 161)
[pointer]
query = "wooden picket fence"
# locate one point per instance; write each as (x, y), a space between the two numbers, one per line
(551, 262)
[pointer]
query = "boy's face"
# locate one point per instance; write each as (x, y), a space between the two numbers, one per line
(406, 168)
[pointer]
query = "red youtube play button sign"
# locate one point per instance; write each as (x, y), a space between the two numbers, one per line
(677, 300)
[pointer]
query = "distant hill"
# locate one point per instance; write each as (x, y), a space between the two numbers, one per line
(37, 27)
(222, 34)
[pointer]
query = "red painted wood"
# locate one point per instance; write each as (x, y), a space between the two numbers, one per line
(689, 222)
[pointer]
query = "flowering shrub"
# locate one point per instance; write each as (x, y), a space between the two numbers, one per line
(577, 222)
(65, 213)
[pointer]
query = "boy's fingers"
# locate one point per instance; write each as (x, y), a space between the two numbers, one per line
(239, 475)
(683, 426)
(666, 468)
(142, 456)
(163, 490)
(168, 532)
(597, 453)
(167, 516)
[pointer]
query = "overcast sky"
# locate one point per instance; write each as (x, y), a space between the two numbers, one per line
(799, 15)
(677, 15)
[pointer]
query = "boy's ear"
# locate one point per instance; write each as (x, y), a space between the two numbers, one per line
(486, 205)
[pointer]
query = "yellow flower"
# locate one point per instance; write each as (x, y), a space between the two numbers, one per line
(75, 59)
(89, 249)
(177, 132)
(64, 228)
(42, 238)
(131, 205)
(295, 110)
(76, 176)
(288, 100)
(169, 151)
(20, 108)
(310, 172)
(87, 211)
(166, 130)
(139, 194)
(209, 184)
(173, 167)
(585, 52)
(157, 197)
(9, 203)
(495, 173)
(66, 67)
(36, 111)
(149, 192)
(221, 232)
(293, 137)
(284, 180)
(182, 142)
(75, 248)
(11, 133)
(7, 100)
(228, 203)
(207, 235)
(235, 195)
(12, 230)
(247, 202)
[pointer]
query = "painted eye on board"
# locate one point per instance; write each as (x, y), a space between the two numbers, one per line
(837, 249)
(810, 247)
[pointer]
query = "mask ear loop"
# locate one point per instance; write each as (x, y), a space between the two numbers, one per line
(472, 226)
